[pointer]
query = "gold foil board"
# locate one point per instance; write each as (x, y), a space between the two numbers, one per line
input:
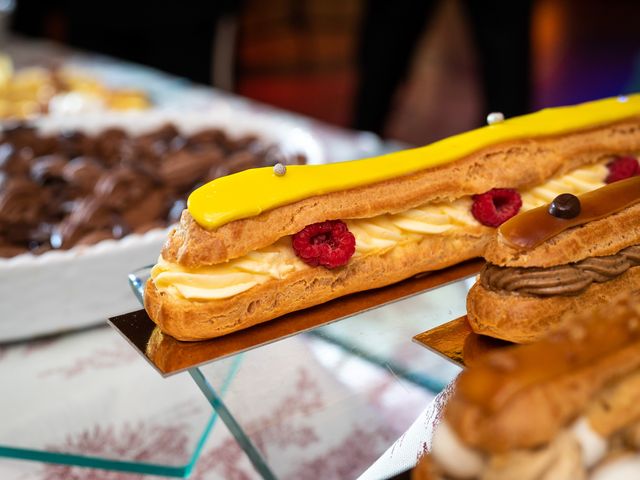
(456, 341)
(170, 356)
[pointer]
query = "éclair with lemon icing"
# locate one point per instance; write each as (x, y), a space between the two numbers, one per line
(259, 244)
(541, 266)
(566, 407)
(249, 193)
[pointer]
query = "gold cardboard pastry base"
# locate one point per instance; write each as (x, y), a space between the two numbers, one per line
(170, 356)
(456, 341)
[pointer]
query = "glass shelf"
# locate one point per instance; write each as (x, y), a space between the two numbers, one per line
(87, 399)
(361, 377)
(351, 386)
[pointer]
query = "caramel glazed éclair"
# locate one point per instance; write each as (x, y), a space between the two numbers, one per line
(523, 292)
(564, 408)
(227, 266)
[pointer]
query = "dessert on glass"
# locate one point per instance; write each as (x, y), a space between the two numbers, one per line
(265, 242)
(564, 408)
(574, 253)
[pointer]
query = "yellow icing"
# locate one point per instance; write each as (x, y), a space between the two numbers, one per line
(375, 235)
(254, 191)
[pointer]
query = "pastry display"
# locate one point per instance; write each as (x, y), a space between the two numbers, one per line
(266, 242)
(574, 253)
(566, 407)
(34, 91)
(70, 188)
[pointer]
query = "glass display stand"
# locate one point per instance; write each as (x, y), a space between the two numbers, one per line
(341, 355)
(362, 374)
(85, 399)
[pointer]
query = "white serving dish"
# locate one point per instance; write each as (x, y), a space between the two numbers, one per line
(77, 288)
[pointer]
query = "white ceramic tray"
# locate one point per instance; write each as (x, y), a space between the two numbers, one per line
(65, 290)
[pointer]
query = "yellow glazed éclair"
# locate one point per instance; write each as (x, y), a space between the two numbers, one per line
(249, 193)
(262, 243)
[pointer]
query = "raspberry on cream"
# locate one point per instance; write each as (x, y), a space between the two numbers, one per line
(329, 244)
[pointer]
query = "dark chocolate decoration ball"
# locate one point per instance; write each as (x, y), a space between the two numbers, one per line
(565, 206)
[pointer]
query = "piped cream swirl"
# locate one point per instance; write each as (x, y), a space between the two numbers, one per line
(569, 279)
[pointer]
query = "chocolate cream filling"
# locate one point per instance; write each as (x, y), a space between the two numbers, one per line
(570, 279)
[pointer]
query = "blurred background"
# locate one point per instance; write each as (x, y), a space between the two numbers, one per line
(85, 200)
(410, 70)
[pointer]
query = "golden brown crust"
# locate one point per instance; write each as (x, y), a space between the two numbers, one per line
(523, 396)
(524, 319)
(426, 469)
(197, 320)
(519, 164)
(617, 407)
(606, 236)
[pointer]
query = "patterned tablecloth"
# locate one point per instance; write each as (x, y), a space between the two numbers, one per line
(99, 419)
(89, 393)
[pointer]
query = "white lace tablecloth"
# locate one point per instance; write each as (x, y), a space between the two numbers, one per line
(91, 394)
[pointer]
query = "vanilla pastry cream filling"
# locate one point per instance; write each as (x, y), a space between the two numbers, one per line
(227, 279)
(375, 235)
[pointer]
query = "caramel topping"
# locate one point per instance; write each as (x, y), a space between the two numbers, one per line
(584, 343)
(529, 229)
(571, 279)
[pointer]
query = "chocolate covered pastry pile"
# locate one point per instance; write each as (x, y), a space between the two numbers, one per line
(58, 191)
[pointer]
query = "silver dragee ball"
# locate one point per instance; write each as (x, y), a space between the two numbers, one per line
(495, 117)
(279, 169)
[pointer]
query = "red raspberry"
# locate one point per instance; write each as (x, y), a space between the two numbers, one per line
(329, 244)
(496, 206)
(621, 168)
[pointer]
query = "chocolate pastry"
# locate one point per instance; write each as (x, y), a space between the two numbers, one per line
(21, 201)
(182, 169)
(95, 237)
(74, 143)
(122, 187)
(82, 172)
(48, 168)
(109, 145)
(8, 250)
(153, 206)
(91, 214)
(569, 279)
(15, 161)
(72, 188)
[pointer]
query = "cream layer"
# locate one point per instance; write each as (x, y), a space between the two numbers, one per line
(373, 236)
